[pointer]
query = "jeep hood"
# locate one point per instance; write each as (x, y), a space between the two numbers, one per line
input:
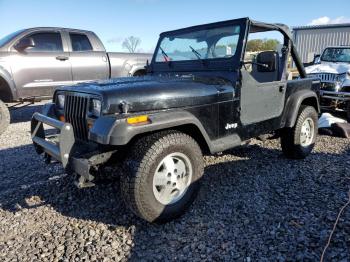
(155, 92)
(328, 67)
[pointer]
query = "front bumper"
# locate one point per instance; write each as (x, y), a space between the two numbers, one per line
(341, 96)
(75, 156)
(59, 150)
(334, 101)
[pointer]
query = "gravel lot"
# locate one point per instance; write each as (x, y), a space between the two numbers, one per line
(254, 205)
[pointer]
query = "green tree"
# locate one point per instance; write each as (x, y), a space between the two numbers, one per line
(256, 45)
(271, 44)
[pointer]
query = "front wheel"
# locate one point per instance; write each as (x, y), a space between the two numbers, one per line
(4, 117)
(297, 142)
(162, 177)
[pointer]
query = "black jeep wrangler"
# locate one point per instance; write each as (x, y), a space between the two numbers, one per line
(200, 95)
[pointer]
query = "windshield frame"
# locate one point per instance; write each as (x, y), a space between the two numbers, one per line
(228, 63)
(334, 47)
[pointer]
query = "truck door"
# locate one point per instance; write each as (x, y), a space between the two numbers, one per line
(87, 62)
(37, 70)
(262, 91)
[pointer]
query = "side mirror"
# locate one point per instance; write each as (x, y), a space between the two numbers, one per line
(317, 59)
(25, 43)
(267, 61)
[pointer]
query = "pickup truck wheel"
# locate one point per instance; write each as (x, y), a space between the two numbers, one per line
(163, 173)
(4, 117)
(298, 142)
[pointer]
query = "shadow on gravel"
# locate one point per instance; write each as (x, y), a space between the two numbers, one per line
(24, 114)
(255, 204)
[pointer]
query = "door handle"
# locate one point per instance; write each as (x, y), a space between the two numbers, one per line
(62, 58)
(281, 88)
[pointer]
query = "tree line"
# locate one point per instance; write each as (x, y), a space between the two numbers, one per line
(255, 45)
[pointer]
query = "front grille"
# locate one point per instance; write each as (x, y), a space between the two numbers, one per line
(75, 113)
(325, 77)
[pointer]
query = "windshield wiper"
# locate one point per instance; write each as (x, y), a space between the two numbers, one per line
(198, 55)
(165, 55)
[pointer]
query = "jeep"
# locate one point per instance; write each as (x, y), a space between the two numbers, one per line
(200, 96)
(333, 70)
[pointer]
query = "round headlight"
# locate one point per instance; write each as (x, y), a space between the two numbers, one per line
(95, 107)
(60, 101)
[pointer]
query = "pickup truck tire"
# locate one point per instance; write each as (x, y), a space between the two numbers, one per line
(298, 142)
(153, 167)
(4, 117)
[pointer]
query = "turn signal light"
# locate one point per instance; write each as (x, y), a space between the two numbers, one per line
(138, 120)
(62, 119)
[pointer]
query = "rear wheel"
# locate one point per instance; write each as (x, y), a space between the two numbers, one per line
(298, 142)
(162, 175)
(4, 117)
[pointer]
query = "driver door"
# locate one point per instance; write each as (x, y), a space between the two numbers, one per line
(262, 92)
(38, 70)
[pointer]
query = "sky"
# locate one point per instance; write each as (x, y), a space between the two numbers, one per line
(115, 20)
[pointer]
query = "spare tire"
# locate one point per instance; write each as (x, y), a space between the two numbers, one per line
(4, 117)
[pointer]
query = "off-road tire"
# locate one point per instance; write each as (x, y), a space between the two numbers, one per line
(140, 166)
(4, 117)
(348, 112)
(290, 137)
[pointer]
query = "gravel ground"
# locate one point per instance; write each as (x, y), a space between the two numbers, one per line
(254, 205)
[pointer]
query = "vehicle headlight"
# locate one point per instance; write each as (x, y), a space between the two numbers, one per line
(95, 107)
(342, 77)
(60, 101)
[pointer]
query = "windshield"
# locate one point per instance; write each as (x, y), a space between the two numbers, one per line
(9, 37)
(340, 54)
(213, 43)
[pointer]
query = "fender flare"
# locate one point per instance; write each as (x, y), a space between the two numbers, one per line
(111, 131)
(7, 78)
(293, 105)
(135, 68)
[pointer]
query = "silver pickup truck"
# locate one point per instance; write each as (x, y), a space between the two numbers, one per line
(33, 62)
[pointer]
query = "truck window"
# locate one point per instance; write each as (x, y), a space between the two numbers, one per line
(260, 46)
(80, 42)
(9, 37)
(46, 42)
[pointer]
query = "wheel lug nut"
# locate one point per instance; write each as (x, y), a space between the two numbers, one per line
(169, 174)
(169, 183)
(174, 184)
(178, 177)
(175, 170)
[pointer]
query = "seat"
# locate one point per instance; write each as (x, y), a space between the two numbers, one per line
(261, 73)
